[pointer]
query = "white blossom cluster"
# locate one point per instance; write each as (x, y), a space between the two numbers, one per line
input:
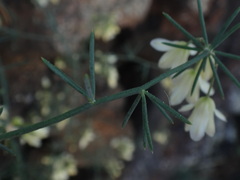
(203, 107)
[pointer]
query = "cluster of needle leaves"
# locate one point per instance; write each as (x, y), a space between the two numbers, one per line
(206, 52)
(202, 45)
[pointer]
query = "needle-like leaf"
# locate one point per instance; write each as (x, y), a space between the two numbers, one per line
(202, 22)
(92, 63)
(162, 110)
(228, 55)
(4, 148)
(201, 67)
(144, 137)
(225, 70)
(64, 77)
(225, 27)
(167, 108)
(184, 31)
(89, 89)
(226, 35)
(130, 111)
(181, 46)
(215, 74)
(146, 128)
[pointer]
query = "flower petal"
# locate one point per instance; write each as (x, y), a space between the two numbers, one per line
(204, 86)
(200, 117)
(207, 72)
(187, 107)
(158, 45)
(187, 127)
(195, 95)
(180, 90)
(182, 57)
(167, 59)
(173, 58)
(181, 87)
(220, 115)
(178, 96)
(192, 52)
(198, 127)
(210, 127)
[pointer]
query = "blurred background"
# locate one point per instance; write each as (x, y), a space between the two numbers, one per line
(92, 145)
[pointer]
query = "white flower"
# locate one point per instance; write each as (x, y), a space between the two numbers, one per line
(182, 86)
(62, 166)
(87, 137)
(173, 56)
(202, 118)
(34, 138)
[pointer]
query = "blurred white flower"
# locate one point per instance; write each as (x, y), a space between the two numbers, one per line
(182, 85)
(124, 146)
(113, 167)
(106, 27)
(63, 166)
(42, 3)
(34, 138)
(113, 77)
(173, 56)
(202, 118)
(106, 66)
(87, 137)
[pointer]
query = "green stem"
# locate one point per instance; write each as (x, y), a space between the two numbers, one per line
(105, 99)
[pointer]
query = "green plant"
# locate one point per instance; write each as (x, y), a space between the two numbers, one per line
(206, 56)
